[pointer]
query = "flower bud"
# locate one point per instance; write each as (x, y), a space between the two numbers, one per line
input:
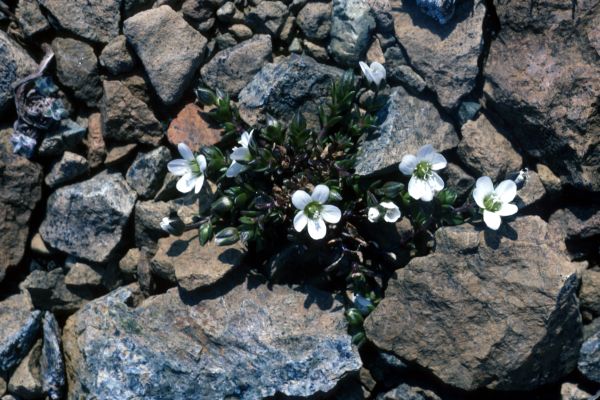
(206, 96)
(172, 225)
(354, 317)
(205, 232)
(392, 189)
(222, 205)
(227, 236)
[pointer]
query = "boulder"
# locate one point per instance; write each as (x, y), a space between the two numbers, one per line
(484, 309)
(589, 358)
(116, 57)
(352, 24)
(579, 229)
(87, 219)
(31, 19)
(66, 136)
(146, 173)
(245, 342)
(51, 362)
(314, 19)
(15, 64)
(572, 391)
(407, 123)
(192, 127)
(169, 48)
(68, 168)
(267, 17)
(26, 381)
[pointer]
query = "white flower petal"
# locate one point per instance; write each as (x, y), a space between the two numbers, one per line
(373, 214)
(331, 214)
(317, 228)
(240, 154)
(179, 167)
(417, 188)
(201, 160)
(235, 169)
(392, 215)
(186, 183)
(366, 71)
(437, 161)
(245, 139)
(199, 183)
(408, 164)
(377, 72)
(483, 187)
(300, 199)
(435, 182)
(429, 192)
(506, 191)
(185, 152)
(425, 152)
(492, 219)
(300, 221)
(508, 209)
(320, 194)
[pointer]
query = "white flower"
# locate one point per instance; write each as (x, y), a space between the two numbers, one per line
(314, 212)
(425, 182)
(240, 154)
(495, 202)
(374, 74)
(390, 211)
(190, 168)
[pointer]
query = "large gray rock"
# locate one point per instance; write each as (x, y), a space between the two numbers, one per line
(589, 358)
(315, 20)
(51, 362)
(147, 172)
(93, 20)
(295, 83)
(247, 342)
(351, 26)
(169, 48)
(31, 19)
(267, 17)
(579, 228)
(86, 219)
(485, 309)
(68, 168)
(116, 57)
(407, 124)
(446, 56)
(15, 64)
(231, 69)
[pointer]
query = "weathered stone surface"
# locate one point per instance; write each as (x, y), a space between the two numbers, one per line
(408, 392)
(31, 19)
(19, 328)
(231, 69)
(486, 150)
(589, 358)
(132, 7)
(146, 173)
(543, 75)
(96, 148)
(2, 386)
(484, 310)
(51, 361)
(351, 26)
(94, 20)
(441, 10)
(119, 154)
(193, 128)
(82, 275)
(456, 178)
(249, 343)
(69, 167)
(169, 48)
(532, 192)
(116, 57)
(20, 191)
(295, 83)
(579, 227)
(589, 294)
(15, 64)
(550, 181)
(86, 219)
(315, 20)
(407, 124)
(26, 381)
(240, 31)
(128, 264)
(316, 51)
(267, 17)
(572, 391)
(126, 118)
(445, 56)
(67, 136)
(200, 11)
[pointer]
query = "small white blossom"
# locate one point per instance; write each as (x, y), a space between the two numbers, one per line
(238, 154)
(390, 211)
(173, 226)
(425, 182)
(314, 212)
(374, 74)
(190, 168)
(495, 202)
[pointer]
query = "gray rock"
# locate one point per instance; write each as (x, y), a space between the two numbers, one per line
(315, 51)
(31, 19)
(407, 124)
(51, 361)
(315, 20)
(579, 229)
(126, 118)
(572, 391)
(67, 136)
(198, 11)
(295, 83)
(19, 327)
(446, 56)
(82, 275)
(87, 219)
(267, 17)
(26, 381)
(226, 12)
(2, 386)
(15, 64)
(406, 76)
(68, 168)
(116, 57)
(589, 358)
(231, 69)
(589, 294)
(405, 391)
(351, 26)
(128, 264)
(169, 48)
(93, 20)
(132, 7)
(119, 154)
(146, 173)
(457, 179)
(532, 192)
(440, 10)
(484, 310)
(240, 31)
(248, 343)
(225, 41)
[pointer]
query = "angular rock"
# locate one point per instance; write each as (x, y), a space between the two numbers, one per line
(83, 275)
(96, 148)
(295, 83)
(315, 20)
(351, 26)
(120, 154)
(20, 191)
(116, 57)
(248, 343)
(589, 358)
(146, 173)
(26, 381)
(31, 19)
(126, 118)
(446, 56)
(267, 17)
(169, 48)
(484, 310)
(193, 128)
(86, 219)
(69, 167)
(456, 178)
(19, 327)
(550, 181)
(94, 20)
(132, 7)
(579, 227)
(240, 31)
(231, 69)
(542, 73)
(67, 136)
(572, 391)
(15, 64)
(38, 246)
(589, 294)
(440, 10)
(51, 361)
(407, 124)
(315, 51)
(532, 192)
(128, 264)
(200, 11)
(77, 69)
(408, 392)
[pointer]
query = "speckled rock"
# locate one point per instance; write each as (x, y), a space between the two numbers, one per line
(26, 381)
(15, 64)
(66, 136)
(315, 20)
(579, 229)
(351, 26)
(589, 358)
(267, 17)
(96, 147)
(405, 391)
(31, 19)
(146, 173)
(440, 10)
(116, 57)
(68, 168)
(248, 343)
(572, 391)
(51, 362)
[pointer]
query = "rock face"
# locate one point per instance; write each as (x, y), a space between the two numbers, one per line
(26, 381)
(351, 28)
(589, 358)
(15, 64)
(407, 124)
(445, 56)
(543, 75)
(296, 83)
(87, 219)
(485, 309)
(192, 128)
(170, 49)
(267, 16)
(231, 69)
(69, 167)
(116, 57)
(31, 19)
(20, 191)
(250, 343)
(146, 173)
(315, 20)
(94, 20)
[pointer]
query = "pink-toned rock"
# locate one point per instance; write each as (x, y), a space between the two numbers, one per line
(192, 128)
(95, 141)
